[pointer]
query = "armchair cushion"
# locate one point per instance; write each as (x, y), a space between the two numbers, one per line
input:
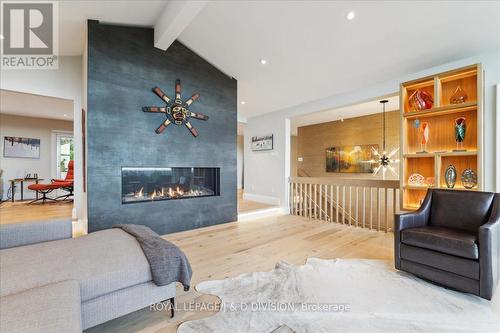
(466, 210)
(445, 240)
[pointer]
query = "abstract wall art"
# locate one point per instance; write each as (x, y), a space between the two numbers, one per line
(351, 159)
(21, 147)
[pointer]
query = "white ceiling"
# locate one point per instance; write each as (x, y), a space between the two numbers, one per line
(73, 17)
(312, 51)
(351, 111)
(29, 105)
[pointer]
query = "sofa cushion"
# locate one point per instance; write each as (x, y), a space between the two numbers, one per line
(458, 265)
(52, 308)
(465, 210)
(446, 240)
(20, 234)
(102, 262)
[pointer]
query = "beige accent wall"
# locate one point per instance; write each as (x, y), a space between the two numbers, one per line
(313, 140)
(36, 128)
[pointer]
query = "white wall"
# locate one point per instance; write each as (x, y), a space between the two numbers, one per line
(35, 128)
(65, 82)
(266, 172)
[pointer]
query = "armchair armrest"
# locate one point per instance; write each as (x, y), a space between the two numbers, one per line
(19, 234)
(55, 180)
(489, 251)
(418, 218)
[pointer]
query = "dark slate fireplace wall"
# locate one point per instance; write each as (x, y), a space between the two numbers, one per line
(123, 67)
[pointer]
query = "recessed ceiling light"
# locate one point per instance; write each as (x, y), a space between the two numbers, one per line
(243, 102)
(65, 115)
(350, 15)
(2, 37)
(263, 61)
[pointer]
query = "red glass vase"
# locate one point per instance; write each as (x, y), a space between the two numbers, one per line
(420, 100)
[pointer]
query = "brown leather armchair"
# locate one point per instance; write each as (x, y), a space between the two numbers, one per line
(453, 239)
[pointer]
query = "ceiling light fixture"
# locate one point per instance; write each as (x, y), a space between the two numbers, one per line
(384, 160)
(350, 15)
(243, 102)
(2, 37)
(65, 115)
(263, 61)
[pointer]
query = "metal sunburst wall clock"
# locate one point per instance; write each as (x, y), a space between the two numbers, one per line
(176, 110)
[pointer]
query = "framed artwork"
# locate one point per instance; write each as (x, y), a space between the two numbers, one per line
(260, 143)
(17, 147)
(351, 159)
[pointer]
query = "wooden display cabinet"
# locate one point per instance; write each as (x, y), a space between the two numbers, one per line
(441, 149)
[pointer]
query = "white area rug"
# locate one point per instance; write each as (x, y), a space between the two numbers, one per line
(375, 296)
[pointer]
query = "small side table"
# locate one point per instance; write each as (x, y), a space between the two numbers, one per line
(21, 181)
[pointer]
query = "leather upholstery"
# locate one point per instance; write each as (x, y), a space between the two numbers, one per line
(466, 210)
(446, 262)
(445, 240)
(489, 252)
(442, 277)
(453, 239)
(419, 218)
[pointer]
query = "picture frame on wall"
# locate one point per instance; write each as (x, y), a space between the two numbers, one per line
(18, 147)
(263, 143)
(351, 159)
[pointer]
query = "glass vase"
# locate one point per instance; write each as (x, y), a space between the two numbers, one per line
(459, 96)
(460, 133)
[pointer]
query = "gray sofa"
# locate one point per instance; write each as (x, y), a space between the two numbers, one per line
(101, 276)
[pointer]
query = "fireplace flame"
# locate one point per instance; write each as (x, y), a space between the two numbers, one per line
(141, 192)
(179, 191)
(166, 193)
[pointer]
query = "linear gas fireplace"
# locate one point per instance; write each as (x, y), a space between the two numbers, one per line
(155, 184)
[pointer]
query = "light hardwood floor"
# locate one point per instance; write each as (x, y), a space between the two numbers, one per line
(15, 212)
(245, 206)
(231, 249)
(20, 211)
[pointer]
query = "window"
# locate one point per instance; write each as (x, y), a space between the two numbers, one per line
(65, 153)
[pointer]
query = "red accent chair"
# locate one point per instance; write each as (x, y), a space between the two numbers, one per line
(67, 183)
(64, 184)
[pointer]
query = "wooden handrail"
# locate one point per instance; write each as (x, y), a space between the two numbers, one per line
(345, 200)
(346, 181)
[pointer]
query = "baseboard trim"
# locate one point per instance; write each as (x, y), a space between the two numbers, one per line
(261, 198)
(258, 214)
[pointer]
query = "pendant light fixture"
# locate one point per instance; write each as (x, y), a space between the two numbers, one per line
(385, 161)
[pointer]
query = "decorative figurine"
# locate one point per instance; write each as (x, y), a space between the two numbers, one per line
(420, 100)
(416, 179)
(459, 96)
(450, 176)
(430, 181)
(424, 133)
(469, 179)
(460, 133)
